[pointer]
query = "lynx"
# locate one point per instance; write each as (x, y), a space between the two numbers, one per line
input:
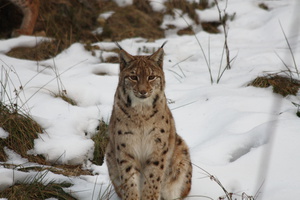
(146, 158)
(30, 10)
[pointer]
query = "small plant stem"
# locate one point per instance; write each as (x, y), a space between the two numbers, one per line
(207, 61)
(286, 66)
(223, 22)
(50, 82)
(181, 61)
(213, 178)
(290, 49)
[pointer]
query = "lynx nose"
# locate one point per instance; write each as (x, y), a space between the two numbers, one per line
(143, 93)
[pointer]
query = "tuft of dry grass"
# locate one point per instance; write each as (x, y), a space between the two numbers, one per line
(298, 112)
(263, 6)
(190, 8)
(42, 51)
(68, 21)
(37, 190)
(69, 170)
(112, 59)
(130, 22)
(137, 20)
(186, 7)
(281, 84)
(63, 95)
(186, 31)
(101, 141)
(66, 170)
(211, 27)
(22, 131)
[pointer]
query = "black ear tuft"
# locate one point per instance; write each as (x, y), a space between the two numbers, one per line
(125, 57)
(158, 56)
(162, 46)
(119, 46)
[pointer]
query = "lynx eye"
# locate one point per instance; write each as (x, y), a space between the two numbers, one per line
(151, 78)
(133, 78)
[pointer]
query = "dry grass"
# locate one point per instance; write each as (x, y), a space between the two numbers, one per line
(64, 96)
(137, 20)
(65, 21)
(22, 131)
(190, 8)
(211, 27)
(281, 84)
(67, 99)
(131, 22)
(186, 7)
(42, 51)
(112, 59)
(66, 170)
(263, 6)
(101, 140)
(68, 21)
(69, 170)
(37, 190)
(186, 31)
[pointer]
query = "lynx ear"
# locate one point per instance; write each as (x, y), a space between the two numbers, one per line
(125, 57)
(158, 56)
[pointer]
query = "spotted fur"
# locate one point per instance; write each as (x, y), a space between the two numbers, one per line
(146, 158)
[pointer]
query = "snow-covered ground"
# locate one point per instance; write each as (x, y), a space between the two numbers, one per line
(247, 137)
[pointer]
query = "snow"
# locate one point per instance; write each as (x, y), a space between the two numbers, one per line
(158, 5)
(179, 20)
(123, 3)
(23, 41)
(244, 136)
(106, 15)
(3, 133)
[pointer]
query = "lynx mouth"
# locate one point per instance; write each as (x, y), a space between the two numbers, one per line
(143, 96)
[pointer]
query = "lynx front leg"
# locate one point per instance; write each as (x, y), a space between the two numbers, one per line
(153, 175)
(129, 174)
(123, 173)
(179, 173)
(113, 168)
(129, 188)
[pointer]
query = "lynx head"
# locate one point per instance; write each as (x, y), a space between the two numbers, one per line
(141, 77)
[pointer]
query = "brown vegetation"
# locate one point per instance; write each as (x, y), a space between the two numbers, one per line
(101, 140)
(73, 21)
(37, 190)
(281, 84)
(22, 132)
